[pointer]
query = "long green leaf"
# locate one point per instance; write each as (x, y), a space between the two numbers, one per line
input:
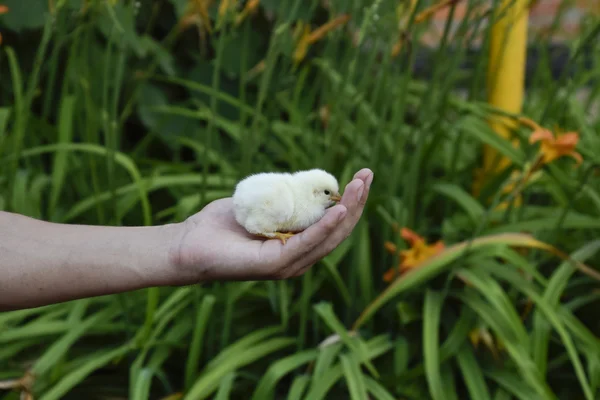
(125, 161)
(432, 310)
(555, 321)
(61, 346)
(202, 317)
(354, 378)
(472, 374)
(298, 387)
(69, 381)
(557, 284)
(469, 204)
(326, 312)
(517, 350)
(208, 382)
(65, 136)
(322, 383)
(266, 386)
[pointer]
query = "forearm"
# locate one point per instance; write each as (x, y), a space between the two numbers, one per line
(43, 263)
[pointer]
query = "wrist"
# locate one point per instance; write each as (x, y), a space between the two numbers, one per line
(191, 256)
(165, 260)
(180, 269)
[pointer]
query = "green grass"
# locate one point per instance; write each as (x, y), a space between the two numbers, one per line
(114, 116)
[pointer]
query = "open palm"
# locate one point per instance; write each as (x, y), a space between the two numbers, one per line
(215, 246)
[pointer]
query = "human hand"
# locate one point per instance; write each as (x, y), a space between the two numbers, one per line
(213, 246)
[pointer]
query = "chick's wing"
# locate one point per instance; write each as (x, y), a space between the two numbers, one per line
(265, 200)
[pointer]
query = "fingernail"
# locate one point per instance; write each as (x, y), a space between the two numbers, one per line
(360, 192)
(369, 181)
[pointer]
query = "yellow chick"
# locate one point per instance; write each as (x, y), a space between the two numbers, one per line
(279, 205)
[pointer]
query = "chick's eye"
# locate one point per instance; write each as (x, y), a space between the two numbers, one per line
(327, 192)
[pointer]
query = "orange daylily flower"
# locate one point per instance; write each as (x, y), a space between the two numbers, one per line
(556, 146)
(553, 145)
(418, 252)
(308, 37)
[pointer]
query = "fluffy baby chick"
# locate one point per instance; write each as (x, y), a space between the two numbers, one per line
(279, 205)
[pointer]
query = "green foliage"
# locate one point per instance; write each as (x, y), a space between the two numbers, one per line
(118, 114)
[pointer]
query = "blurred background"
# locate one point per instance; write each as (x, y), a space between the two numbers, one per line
(473, 272)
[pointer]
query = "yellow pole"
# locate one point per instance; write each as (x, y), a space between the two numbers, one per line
(506, 73)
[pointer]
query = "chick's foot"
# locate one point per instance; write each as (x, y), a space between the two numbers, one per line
(284, 236)
(277, 235)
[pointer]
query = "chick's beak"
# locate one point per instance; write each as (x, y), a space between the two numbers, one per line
(336, 197)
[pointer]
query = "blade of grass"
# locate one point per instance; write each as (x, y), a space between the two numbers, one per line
(321, 384)
(512, 383)
(193, 360)
(60, 165)
(298, 387)
(325, 311)
(499, 300)
(517, 351)
(327, 355)
(69, 381)
(208, 382)
(363, 266)
(20, 112)
(377, 390)
(540, 336)
(61, 346)
(354, 378)
(122, 159)
(225, 387)
(515, 279)
(469, 204)
(4, 117)
(265, 389)
(432, 310)
(472, 374)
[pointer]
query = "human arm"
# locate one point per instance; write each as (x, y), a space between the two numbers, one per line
(43, 263)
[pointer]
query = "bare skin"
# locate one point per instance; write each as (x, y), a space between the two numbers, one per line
(44, 263)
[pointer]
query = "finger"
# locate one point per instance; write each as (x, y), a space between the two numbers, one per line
(352, 194)
(306, 241)
(356, 204)
(363, 174)
(365, 194)
(314, 234)
(354, 191)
